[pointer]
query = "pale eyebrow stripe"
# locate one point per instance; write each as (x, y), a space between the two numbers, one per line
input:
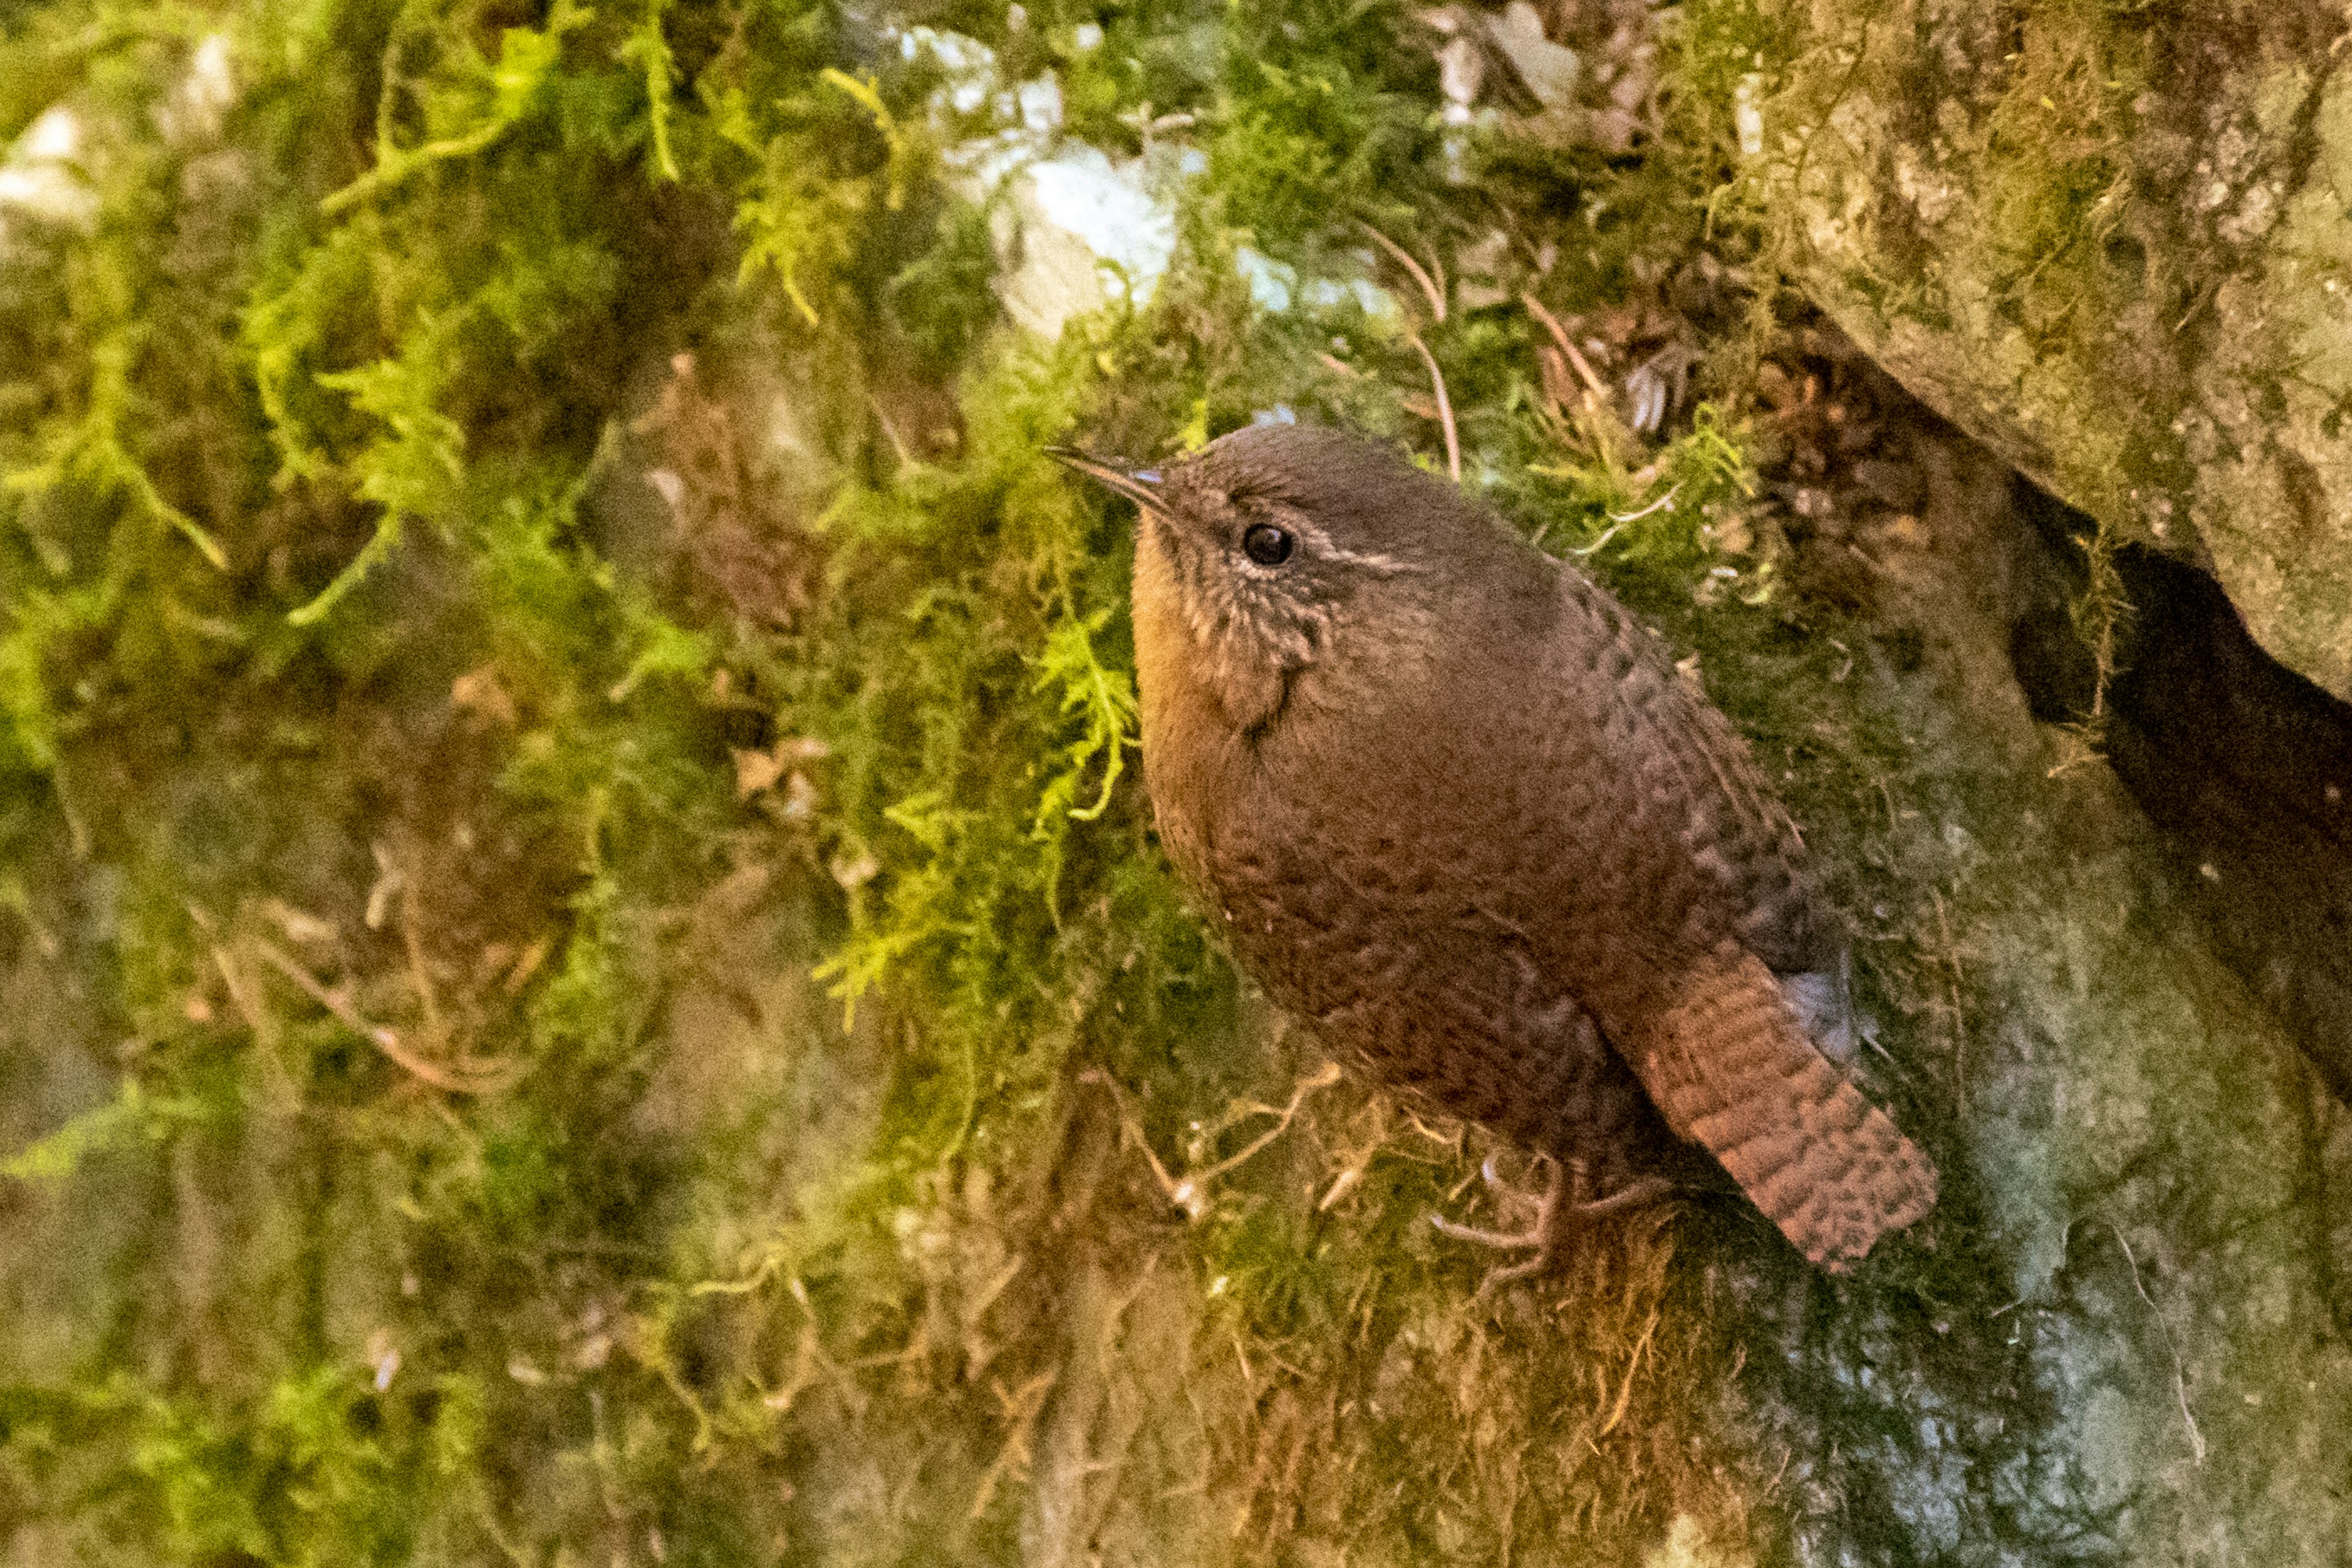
(1384, 565)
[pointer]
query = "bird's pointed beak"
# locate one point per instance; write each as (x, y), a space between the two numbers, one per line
(1141, 486)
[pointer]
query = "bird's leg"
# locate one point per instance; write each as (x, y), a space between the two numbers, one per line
(1561, 1212)
(1555, 1189)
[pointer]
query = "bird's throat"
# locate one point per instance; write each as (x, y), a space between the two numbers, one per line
(1194, 669)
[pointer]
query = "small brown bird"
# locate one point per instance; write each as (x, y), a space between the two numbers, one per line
(1458, 812)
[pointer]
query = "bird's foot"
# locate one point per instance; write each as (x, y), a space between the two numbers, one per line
(1562, 1209)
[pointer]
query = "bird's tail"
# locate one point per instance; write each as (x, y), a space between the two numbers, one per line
(1730, 1065)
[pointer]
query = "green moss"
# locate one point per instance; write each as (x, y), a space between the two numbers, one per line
(1312, 122)
(2059, 140)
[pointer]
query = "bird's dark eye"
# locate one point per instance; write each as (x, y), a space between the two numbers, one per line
(1266, 545)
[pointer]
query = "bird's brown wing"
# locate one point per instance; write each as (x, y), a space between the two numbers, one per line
(1730, 1068)
(1711, 860)
(1698, 775)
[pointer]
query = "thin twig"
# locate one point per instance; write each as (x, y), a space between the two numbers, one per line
(240, 995)
(1557, 387)
(1341, 1185)
(1185, 1191)
(1322, 1077)
(2179, 1375)
(1608, 535)
(479, 1078)
(1593, 382)
(1951, 958)
(1132, 1130)
(897, 442)
(743, 1285)
(1429, 285)
(1444, 409)
(1666, 500)
(1596, 391)
(416, 946)
(1021, 1406)
(1535, 308)
(1632, 1365)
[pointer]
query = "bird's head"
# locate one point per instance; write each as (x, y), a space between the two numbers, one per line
(1283, 549)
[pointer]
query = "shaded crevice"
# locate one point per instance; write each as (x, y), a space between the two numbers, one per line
(2244, 765)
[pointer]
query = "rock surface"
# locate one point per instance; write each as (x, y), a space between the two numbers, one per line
(2115, 244)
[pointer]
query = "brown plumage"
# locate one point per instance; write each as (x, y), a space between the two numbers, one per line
(1458, 812)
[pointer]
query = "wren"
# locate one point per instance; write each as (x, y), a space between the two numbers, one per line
(1457, 811)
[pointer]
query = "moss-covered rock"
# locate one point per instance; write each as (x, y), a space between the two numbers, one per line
(2112, 243)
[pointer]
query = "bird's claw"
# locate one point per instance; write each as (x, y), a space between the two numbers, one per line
(1504, 1239)
(1560, 1210)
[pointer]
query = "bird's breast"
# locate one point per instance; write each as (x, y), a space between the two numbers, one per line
(1193, 758)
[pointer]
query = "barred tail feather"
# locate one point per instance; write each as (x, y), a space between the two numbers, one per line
(1731, 1067)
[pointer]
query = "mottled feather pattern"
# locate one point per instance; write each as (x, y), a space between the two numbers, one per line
(1432, 998)
(1699, 767)
(1697, 1007)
